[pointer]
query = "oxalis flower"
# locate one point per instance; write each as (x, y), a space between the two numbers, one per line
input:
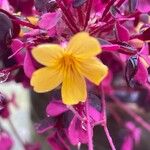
(69, 66)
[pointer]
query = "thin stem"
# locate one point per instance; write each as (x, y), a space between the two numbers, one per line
(68, 15)
(89, 6)
(80, 16)
(108, 16)
(69, 25)
(102, 28)
(110, 3)
(11, 68)
(89, 128)
(76, 113)
(16, 52)
(105, 120)
(24, 23)
(136, 117)
(109, 138)
(16, 133)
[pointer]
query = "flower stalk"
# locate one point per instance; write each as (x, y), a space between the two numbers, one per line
(105, 119)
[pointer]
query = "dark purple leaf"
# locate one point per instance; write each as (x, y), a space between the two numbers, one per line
(127, 48)
(145, 35)
(126, 96)
(56, 142)
(114, 63)
(115, 12)
(16, 26)
(24, 6)
(78, 3)
(45, 6)
(132, 5)
(65, 119)
(45, 124)
(131, 69)
(95, 101)
(104, 42)
(95, 109)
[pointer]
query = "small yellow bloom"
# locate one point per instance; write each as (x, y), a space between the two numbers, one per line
(69, 66)
(33, 20)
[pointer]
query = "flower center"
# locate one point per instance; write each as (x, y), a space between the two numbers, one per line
(68, 60)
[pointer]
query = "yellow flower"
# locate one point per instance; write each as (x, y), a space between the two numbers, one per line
(69, 66)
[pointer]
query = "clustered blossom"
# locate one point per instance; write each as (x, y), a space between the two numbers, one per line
(93, 58)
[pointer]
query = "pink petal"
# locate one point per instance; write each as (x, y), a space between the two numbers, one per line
(28, 64)
(16, 47)
(122, 32)
(142, 74)
(4, 5)
(143, 6)
(55, 108)
(6, 142)
(56, 143)
(45, 124)
(128, 143)
(77, 132)
(112, 47)
(145, 49)
(49, 20)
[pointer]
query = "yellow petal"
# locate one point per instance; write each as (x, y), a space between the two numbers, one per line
(73, 88)
(33, 20)
(93, 69)
(46, 79)
(47, 54)
(83, 46)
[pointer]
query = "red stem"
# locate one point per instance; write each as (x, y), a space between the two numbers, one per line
(68, 15)
(108, 16)
(110, 3)
(105, 120)
(136, 117)
(24, 23)
(69, 25)
(11, 68)
(89, 6)
(80, 16)
(89, 128)
(101, 28)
